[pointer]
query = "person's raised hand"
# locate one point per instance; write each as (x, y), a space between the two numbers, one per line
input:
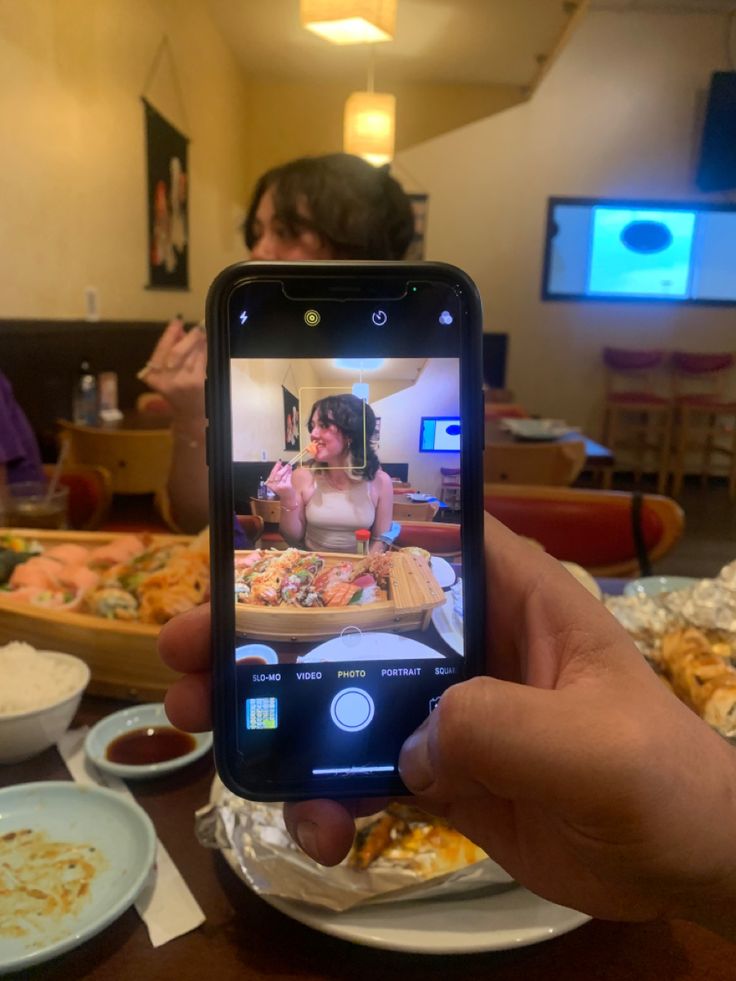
(280, 480)
(177, 369)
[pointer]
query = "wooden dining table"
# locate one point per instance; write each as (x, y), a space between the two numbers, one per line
(597, 455)
(245, 939)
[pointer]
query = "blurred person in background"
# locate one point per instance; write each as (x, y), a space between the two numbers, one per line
(20, 459)
(330, 207)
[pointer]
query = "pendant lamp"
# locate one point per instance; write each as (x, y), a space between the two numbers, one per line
(369, 126)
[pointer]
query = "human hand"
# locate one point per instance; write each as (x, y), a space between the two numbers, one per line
(177, 369)
(280, 481)
(574, 768)
(588, 782)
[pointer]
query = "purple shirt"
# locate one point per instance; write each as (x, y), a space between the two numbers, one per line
(18, 447)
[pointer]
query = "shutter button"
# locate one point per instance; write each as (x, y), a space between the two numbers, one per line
(352, 709)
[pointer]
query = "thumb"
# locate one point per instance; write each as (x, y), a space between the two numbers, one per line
(512, 741)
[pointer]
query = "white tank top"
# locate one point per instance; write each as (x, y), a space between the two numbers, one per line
(333, 516)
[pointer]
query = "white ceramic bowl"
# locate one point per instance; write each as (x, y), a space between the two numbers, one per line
(24, 734)
(652, 585)
(151, 715)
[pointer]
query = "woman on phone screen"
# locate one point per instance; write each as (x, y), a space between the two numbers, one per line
(344, 489)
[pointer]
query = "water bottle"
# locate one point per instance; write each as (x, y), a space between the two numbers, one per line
(262, 490)
(84, 403)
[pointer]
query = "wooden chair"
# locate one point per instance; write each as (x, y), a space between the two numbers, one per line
(450, 489)
(269, 511)
(637, 419)
(555, 463)
(253, 526)
(90, 493)
(705, 416)
(597, 529)
(138, 459)
(411, 511)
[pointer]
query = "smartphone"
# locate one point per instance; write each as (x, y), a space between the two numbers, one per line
(345, 441)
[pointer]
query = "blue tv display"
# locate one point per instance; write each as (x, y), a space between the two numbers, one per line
(600, 249)
(439, 434)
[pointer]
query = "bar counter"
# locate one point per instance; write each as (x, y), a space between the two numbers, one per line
(243, 938)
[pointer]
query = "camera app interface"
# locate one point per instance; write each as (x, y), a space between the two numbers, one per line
(347, 557)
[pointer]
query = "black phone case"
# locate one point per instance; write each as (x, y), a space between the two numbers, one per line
(230, 766)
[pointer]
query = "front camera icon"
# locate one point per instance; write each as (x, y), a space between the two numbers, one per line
(446, 318)
(311, 318)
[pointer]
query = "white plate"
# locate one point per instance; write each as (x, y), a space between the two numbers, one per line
(462, 924)
(448, 625)
(138, 717)
(443, 571)
(538, 429)
(66, 812)
(652, 585)
(354, 645)
(419, 497)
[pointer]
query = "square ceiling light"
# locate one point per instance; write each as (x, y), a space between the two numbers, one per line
(350, 21)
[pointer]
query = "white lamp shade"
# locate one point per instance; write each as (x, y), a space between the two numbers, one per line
(369, 126)
(350, 21)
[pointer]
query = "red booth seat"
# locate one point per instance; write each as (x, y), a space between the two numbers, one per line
(591, 527)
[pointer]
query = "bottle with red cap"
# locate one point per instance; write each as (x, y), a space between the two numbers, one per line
(362, 541)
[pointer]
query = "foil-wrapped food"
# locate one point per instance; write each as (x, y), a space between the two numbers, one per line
(689, 637)
(709, 605)
(400, 853)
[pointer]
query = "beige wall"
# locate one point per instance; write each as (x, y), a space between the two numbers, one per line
(288, 119)
(72, 163)
(73, 168)
(616, 116)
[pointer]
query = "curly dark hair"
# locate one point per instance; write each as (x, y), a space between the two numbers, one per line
(360, 211)
(346, 412)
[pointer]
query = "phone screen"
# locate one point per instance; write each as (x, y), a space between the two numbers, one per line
(347, 538)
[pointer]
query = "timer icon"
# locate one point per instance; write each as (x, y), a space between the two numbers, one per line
(379, 318)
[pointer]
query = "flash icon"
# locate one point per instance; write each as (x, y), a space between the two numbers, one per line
(243, 316)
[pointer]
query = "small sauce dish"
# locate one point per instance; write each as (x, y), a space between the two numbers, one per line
(140, 742)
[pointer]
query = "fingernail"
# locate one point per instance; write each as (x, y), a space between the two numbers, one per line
(415, 766)
(306, 835)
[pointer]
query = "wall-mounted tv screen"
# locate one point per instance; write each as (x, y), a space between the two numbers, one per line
(601, 249)
(439, 434)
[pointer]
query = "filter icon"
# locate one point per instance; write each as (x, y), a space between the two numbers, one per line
(312, 318)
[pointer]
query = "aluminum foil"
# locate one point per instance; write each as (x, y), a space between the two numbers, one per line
(709, 605)
(256, 844)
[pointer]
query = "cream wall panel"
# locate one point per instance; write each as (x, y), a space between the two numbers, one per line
(616, 116)
(73, 169)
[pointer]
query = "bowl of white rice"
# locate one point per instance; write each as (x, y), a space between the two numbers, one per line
(39, 693)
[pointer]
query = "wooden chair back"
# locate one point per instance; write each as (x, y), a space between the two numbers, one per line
(252, 525)
(557, 463)
(138, 460)
(414, 511)
(267, 509)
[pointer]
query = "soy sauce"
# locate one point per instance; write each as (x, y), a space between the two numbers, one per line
(154, 744)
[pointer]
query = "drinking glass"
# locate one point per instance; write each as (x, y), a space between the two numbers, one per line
(28, 504)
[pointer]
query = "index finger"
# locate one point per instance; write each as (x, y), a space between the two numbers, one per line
(173, 333)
